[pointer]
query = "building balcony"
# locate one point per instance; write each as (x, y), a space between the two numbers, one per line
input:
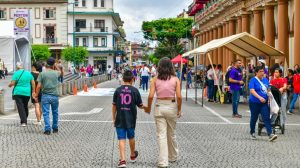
(92, 30)
(50, 40)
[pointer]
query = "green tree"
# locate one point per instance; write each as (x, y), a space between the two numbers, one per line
(75, 55)
(153, 58)
(40, 52)
(168, 33)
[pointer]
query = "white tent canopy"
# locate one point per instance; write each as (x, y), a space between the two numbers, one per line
(243, 44)
(13, 48)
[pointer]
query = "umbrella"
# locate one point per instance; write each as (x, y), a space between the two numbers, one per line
(179, 59)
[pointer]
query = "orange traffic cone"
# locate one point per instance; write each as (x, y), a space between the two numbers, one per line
(75, 91)
(95, 85)
(85, 89)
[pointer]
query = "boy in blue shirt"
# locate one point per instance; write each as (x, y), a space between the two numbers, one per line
(124, 113)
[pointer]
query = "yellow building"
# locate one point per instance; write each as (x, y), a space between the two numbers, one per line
(276, 22)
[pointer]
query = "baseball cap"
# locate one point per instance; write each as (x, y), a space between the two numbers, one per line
(262, 61)
(50, 61)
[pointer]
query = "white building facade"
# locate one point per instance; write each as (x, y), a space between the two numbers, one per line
(48, 21)
(94, 24)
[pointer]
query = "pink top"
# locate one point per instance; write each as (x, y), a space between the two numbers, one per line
(167, 88)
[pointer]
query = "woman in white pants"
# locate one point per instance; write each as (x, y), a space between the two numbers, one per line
(167, 109)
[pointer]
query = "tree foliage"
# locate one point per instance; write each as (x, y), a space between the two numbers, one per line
(153, 58)
(76, 55)
(40, 52)
(168, 33)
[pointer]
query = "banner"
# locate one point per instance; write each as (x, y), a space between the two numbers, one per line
(22, 22)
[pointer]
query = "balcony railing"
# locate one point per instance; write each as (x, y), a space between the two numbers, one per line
(92, 29)
(49, 40)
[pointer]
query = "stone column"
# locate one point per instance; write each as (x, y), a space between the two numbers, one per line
(283, 31)
(232, 31)
(258, 24)
(297, 32)
(215, 52)
(239, 24)
(227, 63)
(220, 50)
(270, 29)
(245, 23)
(224, 49)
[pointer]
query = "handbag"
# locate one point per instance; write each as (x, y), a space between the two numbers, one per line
(16, 85)
(274, 108)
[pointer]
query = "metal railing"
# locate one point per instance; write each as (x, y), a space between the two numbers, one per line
(50, 40)
(92, 29)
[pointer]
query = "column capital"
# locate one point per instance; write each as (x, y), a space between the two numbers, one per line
(258, 10)
(282, 2)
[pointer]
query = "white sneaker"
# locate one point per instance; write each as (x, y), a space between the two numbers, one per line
(38, 123)
(289, 113)
(23, 125)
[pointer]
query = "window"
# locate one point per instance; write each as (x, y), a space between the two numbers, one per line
(83, 3)
(100, 24)
(2, 14)
(99, 41)
(84, 44)
(95, 41)
(77, 42)
(102, 3)
(103, 42)
(80, 23)
(95, 3)
(76, 3)
(49, 14)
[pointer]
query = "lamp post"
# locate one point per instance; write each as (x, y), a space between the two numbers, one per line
(74, 27)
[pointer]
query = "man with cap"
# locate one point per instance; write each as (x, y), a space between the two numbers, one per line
(262, 62)
(48, 85)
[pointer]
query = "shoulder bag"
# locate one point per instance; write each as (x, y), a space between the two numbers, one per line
(16, 85)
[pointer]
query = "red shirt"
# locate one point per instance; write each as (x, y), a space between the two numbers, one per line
(278, 82)
(297, 83)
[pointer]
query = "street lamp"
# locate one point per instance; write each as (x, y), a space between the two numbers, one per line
(74, 27)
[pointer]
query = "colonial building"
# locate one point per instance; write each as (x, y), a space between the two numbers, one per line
(276, 22)
(48, 21)
(95, 25)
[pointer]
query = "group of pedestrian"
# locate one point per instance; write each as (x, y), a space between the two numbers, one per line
(167, 109)
(3, 69)
(41, 85)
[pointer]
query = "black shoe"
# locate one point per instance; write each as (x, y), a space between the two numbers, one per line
(47, 132)
(55, 130)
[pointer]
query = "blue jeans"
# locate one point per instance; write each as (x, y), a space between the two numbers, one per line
(210, 91)
(294, 100)
(145, 82)
(47, 101)
(263, 109)
(235, 101)
(122, 133)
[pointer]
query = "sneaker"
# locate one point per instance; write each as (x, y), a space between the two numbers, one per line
(23, 125)
(122, 163)
(289, 112)
(47, 132)
(236, 116)
(55, 130)
(38, 123)
(253, 137)
(133, 158)
(272, 137)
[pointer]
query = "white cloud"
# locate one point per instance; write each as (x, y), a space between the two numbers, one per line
(134, 12)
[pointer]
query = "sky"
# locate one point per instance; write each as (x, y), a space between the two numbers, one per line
(134, 12)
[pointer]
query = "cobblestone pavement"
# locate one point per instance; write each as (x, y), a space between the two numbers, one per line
(208, 137)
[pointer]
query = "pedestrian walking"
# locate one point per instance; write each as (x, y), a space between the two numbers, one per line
(210, 83)
(2, 69)
(166, 86)
(61, 69)
(23, 83)
(124, 114)
(189, 78)
(109, 71)
(258, 102)
(145, 77)
(296, 82)
(35, 71)
(235, 83)
(48, 86)
(281, 84)
(290, 86)
(218, 82)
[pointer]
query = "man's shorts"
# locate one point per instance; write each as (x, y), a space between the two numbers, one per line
(123, 132)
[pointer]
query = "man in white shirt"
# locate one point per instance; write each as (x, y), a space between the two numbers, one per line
(109, 71)
(153, 70)
(145, 77)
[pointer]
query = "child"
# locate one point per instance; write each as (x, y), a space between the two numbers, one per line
(124, 113)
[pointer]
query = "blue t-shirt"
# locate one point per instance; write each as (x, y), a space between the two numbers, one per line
(235, 74)
(255, 84)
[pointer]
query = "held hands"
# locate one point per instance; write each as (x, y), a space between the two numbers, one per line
(147, 109)
(241, 82)
(179, 114)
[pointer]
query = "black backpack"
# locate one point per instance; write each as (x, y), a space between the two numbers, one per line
(227, 77)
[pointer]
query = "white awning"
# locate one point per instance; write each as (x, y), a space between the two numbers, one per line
(243, 44)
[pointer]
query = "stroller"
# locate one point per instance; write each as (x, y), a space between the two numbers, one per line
(275, 118)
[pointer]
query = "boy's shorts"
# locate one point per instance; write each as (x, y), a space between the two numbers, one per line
(122, 132)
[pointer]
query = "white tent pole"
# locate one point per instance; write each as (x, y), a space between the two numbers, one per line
(32, 51)
(18, 51)
(215, 75)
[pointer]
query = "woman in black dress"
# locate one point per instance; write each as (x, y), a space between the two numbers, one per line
(36, 69)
